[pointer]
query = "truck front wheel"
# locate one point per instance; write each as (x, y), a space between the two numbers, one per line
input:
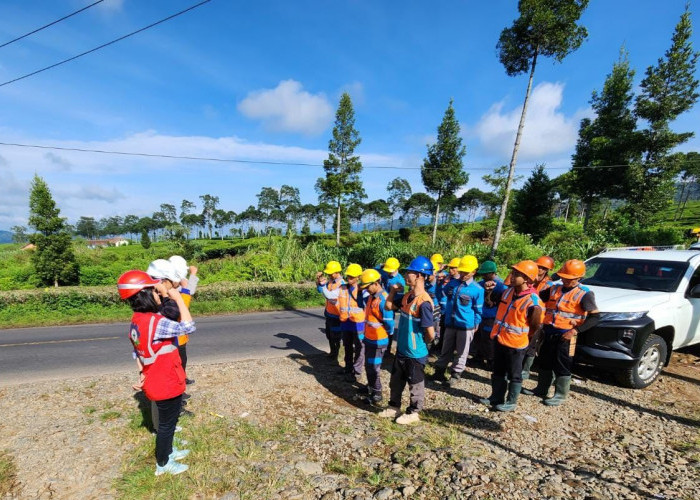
(648, 368)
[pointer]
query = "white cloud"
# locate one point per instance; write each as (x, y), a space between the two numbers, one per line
(548, 131)
(58, 161)
(289, 108)
(91, 192)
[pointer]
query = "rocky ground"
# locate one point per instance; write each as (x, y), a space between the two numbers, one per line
(74, 438)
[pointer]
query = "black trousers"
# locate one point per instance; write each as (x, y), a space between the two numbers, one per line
(554, 353)
(508, 361)
(182, 349)
(333, 334)
(168, 414)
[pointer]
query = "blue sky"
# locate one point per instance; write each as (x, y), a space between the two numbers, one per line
(261, 81)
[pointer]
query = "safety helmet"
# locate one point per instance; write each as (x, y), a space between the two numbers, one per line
(163, 270)
(180, 265)
(572, 269)
(353, 270)
(391, 265)
(546, 262)
(468, 264)
(488, 266)
(528, 268)
(368, 277)
(421, 265)
(132, 282)
(436, 258)
(454, 262)
(333, 267)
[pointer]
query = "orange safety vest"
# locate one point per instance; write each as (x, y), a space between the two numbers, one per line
(183, 339)
(564, 310)
(512, 328)
(347, 303)
(332, 305)
(164, 377)
(543, 285)
(374, 326)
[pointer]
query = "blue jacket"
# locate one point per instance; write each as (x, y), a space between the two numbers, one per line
(446, 292)
(388, 281)
(490, 312)
(463, 310)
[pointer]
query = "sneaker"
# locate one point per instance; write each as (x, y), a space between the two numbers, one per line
(390, 412)
(172, 467)
(178, 428)
(185, 396)
(189, 381)
(408, 418)
(181, 442)
(178, 454)
(452, 382)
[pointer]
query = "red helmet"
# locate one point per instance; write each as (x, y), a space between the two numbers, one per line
(132, 282)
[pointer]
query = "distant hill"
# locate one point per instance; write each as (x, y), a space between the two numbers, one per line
(5, 237)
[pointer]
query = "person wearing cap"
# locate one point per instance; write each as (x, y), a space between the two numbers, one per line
(570, 309)
(379, 325)
(445, 289)
(390, 277)
(462, 317)
(188, 287)
(544, 265)
(483, 346)
(351, 304)
(415, 331)
(330, 288)
(153, 338)
(519, 314)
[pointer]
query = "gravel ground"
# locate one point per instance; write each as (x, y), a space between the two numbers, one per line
(66, 438)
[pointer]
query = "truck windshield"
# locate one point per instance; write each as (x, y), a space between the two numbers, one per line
(633, 274)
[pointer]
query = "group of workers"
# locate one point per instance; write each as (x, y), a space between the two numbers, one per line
(505, 324)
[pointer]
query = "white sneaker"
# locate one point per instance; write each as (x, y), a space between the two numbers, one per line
(408, 418)
(172, 467)
(182, 442)
(178, 428)
(178, 454)
(390, 412)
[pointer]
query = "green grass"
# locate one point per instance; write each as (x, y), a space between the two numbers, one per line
(9, 486)
(690, 218)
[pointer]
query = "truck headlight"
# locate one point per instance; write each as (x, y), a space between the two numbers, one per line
(622, 316)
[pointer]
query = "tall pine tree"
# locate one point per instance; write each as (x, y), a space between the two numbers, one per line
(533, 204)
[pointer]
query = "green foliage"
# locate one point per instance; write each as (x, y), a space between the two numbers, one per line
(532, 205)
(515, 247)
(145, 239)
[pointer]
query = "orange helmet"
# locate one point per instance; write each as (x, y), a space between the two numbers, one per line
(572, 269)
(546, 262)
(132, 282)
(528, 268)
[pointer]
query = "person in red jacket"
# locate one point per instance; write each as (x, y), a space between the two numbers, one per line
(153, 337)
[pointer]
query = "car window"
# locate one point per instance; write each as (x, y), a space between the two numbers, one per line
(694, 280)
(635, 274)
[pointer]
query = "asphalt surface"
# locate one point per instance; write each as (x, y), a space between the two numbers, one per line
(39, 354)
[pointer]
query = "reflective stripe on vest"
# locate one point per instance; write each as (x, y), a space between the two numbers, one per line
(564, 309)
(512, 325)
(153, 355)
(374, 326)
(348, 306)
(332, 304)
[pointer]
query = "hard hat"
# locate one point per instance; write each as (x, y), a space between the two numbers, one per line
(546, 262)
(468, 264)
(132, 282)
(180, 265)
(333, 267)
(454, 262)
(353, 270)
(572, 269)
(391, 265)
(368, 277)
(488, 266)
(436, 257)
(163, 270)
(421, 265)
(528, 268)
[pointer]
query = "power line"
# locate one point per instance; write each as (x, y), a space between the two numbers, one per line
(105, 44)
(267, 162)
(50, 24)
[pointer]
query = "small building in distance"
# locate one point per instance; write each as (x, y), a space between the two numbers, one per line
(111, 242)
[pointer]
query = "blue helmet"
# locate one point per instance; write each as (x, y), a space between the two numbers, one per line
(421, 265)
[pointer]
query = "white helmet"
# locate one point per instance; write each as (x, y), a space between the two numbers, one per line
(180, 265)
(162, 269)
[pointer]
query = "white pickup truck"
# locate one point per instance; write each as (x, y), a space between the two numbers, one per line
(650, 305)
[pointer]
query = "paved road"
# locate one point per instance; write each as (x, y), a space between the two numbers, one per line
(37, 354)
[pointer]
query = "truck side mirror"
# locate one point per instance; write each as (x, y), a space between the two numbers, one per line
(695, 292)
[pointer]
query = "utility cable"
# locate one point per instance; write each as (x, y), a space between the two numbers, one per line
(268, 162)
(51, 24)
(104, 44)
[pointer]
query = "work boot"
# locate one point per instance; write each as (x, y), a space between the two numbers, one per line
(527, 364)
(189, 381)
(561, 391)
(438, 374)
(454, 378)
(512, 400)
(498, 392)
(390, 412)
(544, 380)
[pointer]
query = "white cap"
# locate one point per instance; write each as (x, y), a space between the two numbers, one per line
(162, 269)
(180, 265)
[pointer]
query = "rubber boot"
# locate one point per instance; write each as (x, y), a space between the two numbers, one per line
(544, 380)
(498, 392)
(512, 400)
(527, 364)
(561, 391)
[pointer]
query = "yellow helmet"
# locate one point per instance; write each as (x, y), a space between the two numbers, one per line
(353, 270)
(391, 265)
(454, 262)
(468, 264)
(437, 259)
(368, 277)
(333, 267)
